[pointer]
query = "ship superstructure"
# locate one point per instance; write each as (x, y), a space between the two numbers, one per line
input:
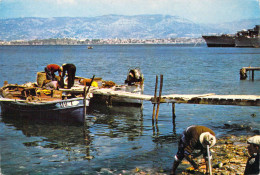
(244, 38)
(248, 38)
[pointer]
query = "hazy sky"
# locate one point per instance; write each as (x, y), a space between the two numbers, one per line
(213, 11)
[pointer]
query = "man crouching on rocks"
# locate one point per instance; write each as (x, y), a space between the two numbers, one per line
(194, 138)
(252, 165)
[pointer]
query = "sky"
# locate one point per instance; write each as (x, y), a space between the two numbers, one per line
(199, 11)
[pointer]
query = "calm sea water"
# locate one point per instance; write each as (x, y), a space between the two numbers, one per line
(118, 140)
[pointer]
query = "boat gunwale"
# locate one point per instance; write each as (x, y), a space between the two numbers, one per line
(40, 102)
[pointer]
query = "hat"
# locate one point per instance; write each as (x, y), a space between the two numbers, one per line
(207, 139)
(254, 140)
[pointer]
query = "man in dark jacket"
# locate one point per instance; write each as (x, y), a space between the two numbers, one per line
(252, 165)
(71, 71)
(193, 138)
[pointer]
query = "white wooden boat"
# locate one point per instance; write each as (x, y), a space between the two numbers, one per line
(133, 84)
(106, 97)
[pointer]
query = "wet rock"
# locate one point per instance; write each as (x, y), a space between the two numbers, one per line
(237, 127)
(218, 165)
(106, 170)
(253, 115)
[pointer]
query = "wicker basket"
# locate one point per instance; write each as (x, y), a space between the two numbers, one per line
(41, 76)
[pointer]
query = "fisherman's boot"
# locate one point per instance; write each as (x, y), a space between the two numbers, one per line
(175, 166)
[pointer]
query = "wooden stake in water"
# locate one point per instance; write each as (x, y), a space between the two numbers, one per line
(159, 98)
(155, 100)
(173, 117)
(85, 105)
(85, 98)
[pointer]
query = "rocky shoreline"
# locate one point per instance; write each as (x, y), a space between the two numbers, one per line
(229, 157)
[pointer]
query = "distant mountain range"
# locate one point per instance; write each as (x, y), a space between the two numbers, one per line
(113, 26)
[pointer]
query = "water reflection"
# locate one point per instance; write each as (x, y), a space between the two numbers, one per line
(117, 121)
(55, 134)
(77, 141)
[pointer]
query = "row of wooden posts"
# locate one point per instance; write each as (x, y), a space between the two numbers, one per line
(157, 101)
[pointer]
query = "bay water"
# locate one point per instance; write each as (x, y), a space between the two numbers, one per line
(121, 139)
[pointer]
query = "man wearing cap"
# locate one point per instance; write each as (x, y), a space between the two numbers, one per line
(193, 138)
(50, 70)
(252, 165)
(71, 71)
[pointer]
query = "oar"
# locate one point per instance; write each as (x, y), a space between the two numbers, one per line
(90, 84)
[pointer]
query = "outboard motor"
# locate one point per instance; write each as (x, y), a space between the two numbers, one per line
(134, 76)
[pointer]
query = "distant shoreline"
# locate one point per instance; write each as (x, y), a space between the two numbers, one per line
(184, 44)
(69, 41)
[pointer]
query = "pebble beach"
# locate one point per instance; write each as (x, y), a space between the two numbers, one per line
(229, 158)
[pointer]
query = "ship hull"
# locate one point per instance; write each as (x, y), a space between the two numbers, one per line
(219, 41)
(247, 42)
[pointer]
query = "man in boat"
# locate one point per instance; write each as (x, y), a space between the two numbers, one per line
(252, 165)
(50, 70)
(243, 74)
(134, 76)
(71, 71)
(194, 138)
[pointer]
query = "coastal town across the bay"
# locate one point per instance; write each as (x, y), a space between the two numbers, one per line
(72, 41)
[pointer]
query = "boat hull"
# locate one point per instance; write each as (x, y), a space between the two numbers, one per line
(66, 111)
(116, 100)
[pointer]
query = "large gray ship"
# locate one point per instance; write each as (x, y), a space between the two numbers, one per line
(244, 38)
(224, 40)
(248, 38)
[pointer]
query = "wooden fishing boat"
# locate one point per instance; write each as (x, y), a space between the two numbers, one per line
(33, 101)
(102, 90)
(133, 84)
(104, 96)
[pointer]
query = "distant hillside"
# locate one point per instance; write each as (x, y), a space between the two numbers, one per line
(111, 26)
(235, 26)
